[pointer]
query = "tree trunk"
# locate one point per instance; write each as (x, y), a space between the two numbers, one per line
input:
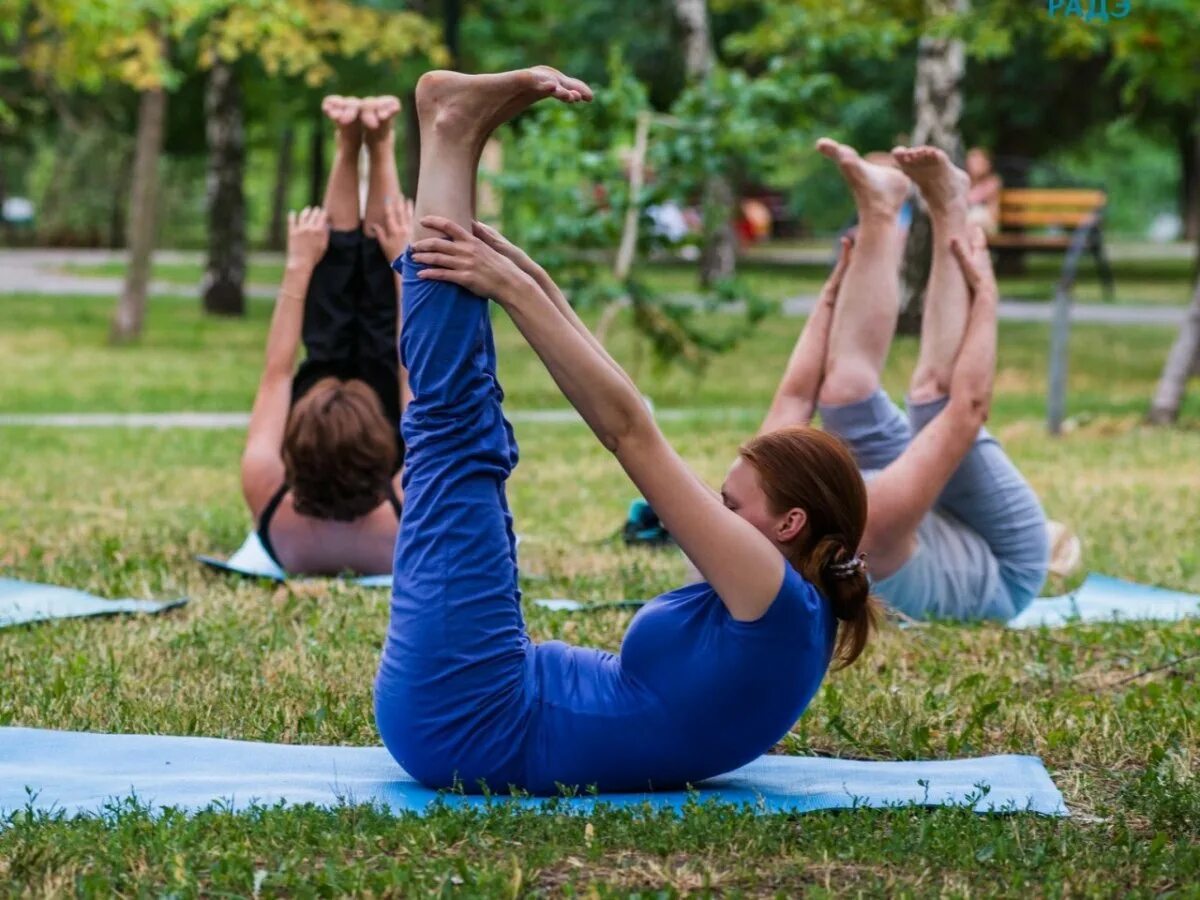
(277, 233)
(937, 109)
(1188, 139)
(1182, 362)
(316, 160)
(117, 225)
(224, 281)
(131, 308)
(718, 258)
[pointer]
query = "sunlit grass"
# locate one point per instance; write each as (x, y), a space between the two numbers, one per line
(1111, 709)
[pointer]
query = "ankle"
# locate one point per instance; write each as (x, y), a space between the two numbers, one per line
(949, 215)
(927, 386)
(381, 144)
(347, 144)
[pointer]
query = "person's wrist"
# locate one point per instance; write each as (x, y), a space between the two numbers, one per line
(299, 264)
(516, 286)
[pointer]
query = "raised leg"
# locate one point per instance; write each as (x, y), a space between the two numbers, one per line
(868, 304)
(458, 113)
(341, 192)
(456, 649)
(377, 312)
(383, 184)
(947, 300)
(990, 495)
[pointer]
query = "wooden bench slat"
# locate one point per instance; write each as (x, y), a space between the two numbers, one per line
(1056, 197)
(1025, 218)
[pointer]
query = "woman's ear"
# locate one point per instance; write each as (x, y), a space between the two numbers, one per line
(793, 523)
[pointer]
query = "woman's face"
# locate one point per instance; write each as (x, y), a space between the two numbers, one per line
(978, 164)
(743, 494)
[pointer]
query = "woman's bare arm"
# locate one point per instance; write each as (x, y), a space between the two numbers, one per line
(550, 288)
(903, 493)
(262, 460)
(795, 399)
(742, 565)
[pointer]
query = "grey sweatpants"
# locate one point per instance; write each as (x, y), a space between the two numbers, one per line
(983, 550)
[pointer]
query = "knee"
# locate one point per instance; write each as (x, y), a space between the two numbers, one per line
(929, 383)
(847, 383)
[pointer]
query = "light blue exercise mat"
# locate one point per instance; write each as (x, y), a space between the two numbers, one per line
(1099, 599)
(1104, 599)
(252, 561)
(79, 773)
(22, 602)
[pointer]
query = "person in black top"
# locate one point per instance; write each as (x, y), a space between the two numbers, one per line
(320, 472)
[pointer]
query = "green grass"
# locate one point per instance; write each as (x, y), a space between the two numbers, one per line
(1111, 709)
(1150, 281)
(182, 273)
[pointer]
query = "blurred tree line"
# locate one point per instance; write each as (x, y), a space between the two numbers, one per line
(113, 113)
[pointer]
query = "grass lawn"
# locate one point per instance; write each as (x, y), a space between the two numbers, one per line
(1138, 281)
(1113, 710)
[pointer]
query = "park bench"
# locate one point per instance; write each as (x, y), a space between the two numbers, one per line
(1055, 220)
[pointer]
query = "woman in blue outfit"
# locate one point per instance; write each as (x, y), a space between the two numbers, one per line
(709, 676)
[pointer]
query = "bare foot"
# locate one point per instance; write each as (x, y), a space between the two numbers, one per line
(943, 185)
(376, 115)
(878, 189)
(344, 113)
(471, 107)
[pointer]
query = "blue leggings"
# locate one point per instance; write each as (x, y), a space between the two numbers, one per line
(464, 697)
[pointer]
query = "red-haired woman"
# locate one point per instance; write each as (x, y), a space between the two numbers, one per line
(709, 676)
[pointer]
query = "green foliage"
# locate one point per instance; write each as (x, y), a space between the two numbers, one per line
(566, 187)
(86, 43)
(78, 183)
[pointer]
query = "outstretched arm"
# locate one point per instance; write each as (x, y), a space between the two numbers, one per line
(796, 397)
(904, 492)
(526, 264)
(262, 460)
(742, 565)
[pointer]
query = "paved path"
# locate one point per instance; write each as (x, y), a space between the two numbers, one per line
(39, 271)
(1024, 311)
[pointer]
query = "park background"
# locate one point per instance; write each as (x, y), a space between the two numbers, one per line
(148, 154)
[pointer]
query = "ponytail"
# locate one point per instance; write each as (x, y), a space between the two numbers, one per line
(812, 470)
(842, 577)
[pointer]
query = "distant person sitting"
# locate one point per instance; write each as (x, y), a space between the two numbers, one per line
(320, 468)
(983, 196)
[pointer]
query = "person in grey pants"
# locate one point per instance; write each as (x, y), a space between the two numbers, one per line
(954, 531)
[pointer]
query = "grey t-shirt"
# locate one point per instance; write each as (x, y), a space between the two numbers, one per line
(953, 574)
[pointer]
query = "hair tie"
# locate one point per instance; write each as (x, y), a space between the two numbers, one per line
(849, 568)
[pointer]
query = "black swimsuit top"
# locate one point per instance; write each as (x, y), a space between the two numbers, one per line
(264, 523)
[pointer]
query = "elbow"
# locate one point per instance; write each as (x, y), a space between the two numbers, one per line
(633, 426)
(971, 405)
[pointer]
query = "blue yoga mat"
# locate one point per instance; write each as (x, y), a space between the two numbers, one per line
(1099, 599)
(22, 602)
(79, 773)
(252, 561)
(1104, 599)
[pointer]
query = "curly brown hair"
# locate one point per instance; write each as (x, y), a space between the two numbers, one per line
(339, 452)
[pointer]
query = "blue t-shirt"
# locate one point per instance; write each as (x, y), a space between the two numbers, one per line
(693, 693)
